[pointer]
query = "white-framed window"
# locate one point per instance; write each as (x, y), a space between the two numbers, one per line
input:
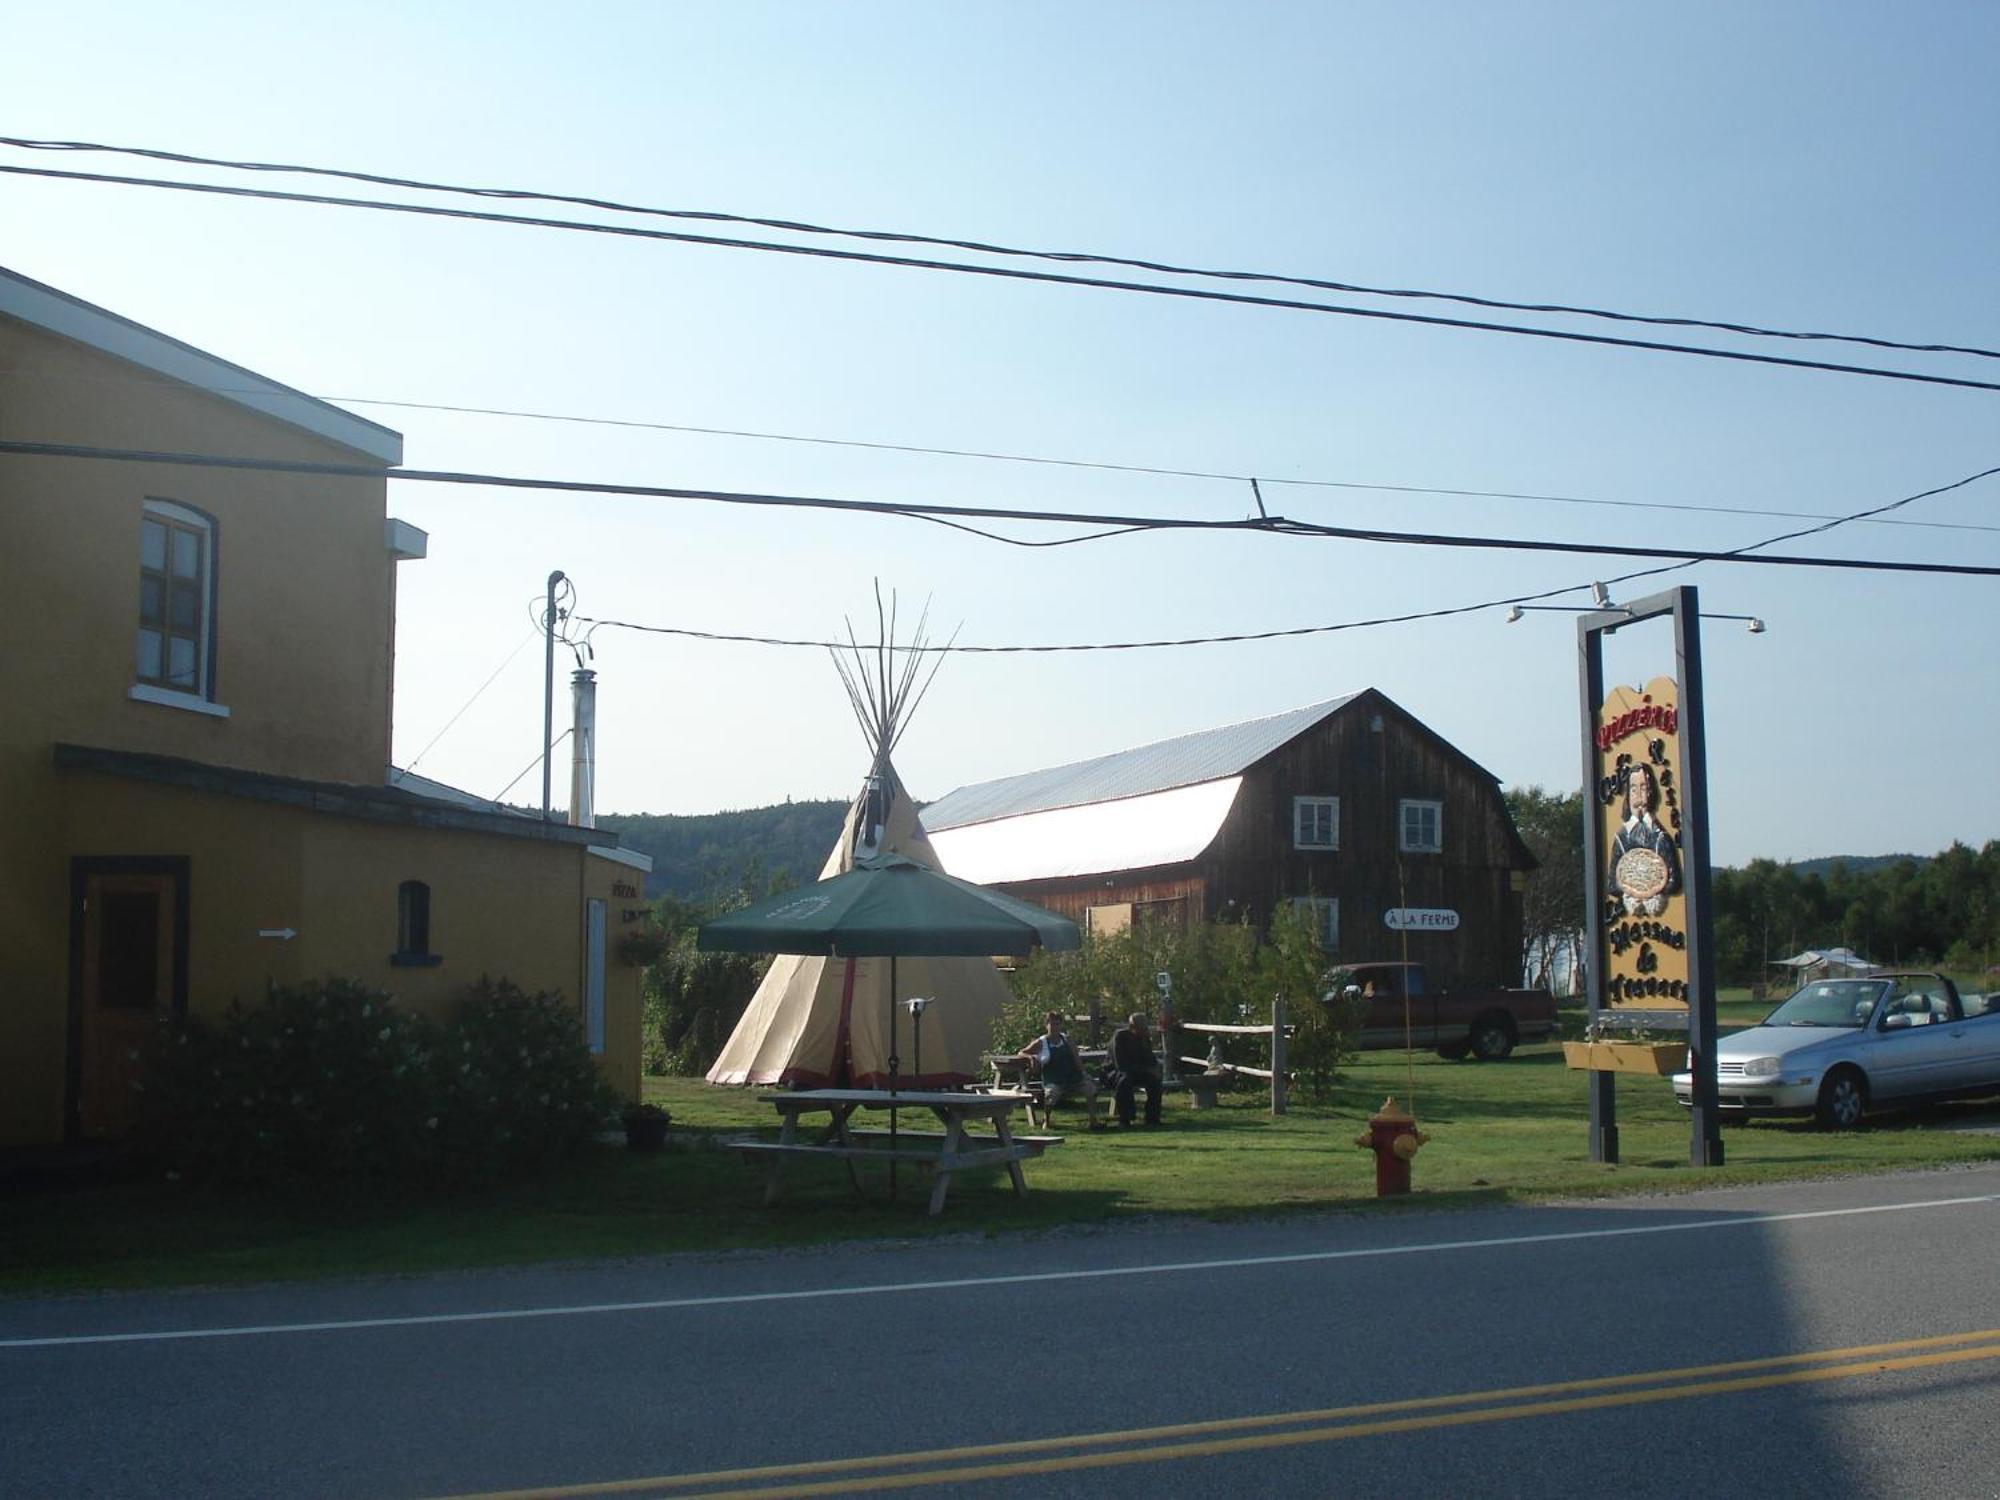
(1325, 914)
(175, 648)
(1315, 822)
(1420, 826)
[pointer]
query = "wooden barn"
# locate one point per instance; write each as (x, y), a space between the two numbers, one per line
(1350, 806)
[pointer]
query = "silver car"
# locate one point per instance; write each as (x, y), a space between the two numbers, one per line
(1839, 1047)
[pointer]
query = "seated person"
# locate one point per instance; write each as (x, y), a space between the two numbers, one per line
(1133, 1065)
(1054, 1059)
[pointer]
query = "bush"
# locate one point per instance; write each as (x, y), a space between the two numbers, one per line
(1223, 973)
(518, 1089)
(318, 1080)
(332, 1083)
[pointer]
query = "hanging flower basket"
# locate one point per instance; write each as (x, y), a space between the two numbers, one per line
(1660, 1059)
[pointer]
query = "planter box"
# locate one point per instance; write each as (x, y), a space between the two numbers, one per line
(1661, 1059)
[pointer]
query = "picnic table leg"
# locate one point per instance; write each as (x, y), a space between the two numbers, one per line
(1006, 1134)
(954, 1137)
(839, 1131)
(788, 1134)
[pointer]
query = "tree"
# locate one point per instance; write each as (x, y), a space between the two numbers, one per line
(1551, 825)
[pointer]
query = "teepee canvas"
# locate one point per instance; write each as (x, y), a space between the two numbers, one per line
(823, 1021)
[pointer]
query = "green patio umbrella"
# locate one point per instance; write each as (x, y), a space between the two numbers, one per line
(887, 906)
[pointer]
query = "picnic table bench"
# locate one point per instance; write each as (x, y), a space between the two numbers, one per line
(942, 1152)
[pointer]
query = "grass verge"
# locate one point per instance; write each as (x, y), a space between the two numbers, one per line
(1499, 1132)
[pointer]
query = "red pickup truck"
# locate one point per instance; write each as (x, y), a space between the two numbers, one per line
(1485, 1023)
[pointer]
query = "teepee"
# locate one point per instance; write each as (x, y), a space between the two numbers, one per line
(818, 1022)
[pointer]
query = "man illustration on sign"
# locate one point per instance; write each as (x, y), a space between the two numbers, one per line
(1645, 869)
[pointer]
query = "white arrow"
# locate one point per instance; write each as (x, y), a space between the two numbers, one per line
(282, 934)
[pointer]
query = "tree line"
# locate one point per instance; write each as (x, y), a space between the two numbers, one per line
(1942, 910)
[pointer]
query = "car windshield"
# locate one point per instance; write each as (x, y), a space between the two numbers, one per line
(1831, 1002)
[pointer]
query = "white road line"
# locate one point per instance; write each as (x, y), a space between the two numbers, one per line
(1168, 1268)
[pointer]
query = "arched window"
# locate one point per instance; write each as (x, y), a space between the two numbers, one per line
(413, 925)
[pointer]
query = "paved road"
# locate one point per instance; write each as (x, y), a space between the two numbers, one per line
(1844, 1339)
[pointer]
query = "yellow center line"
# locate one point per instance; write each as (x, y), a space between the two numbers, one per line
(965, 1463)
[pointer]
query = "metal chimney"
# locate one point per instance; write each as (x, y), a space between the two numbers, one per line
(583, 748)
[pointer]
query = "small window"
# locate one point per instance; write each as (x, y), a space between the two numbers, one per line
(1325, 914)
(176, 639)
(413, 926)
(1421, 825)
(1315, 822)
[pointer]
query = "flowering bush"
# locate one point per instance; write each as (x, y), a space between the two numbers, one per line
(318, 1080)
(332, 1082)
(518, 1085)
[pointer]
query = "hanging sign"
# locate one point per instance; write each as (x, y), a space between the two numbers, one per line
(1639, 812)
(1420, 919)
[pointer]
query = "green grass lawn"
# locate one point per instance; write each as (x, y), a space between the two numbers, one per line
(1499, 1131)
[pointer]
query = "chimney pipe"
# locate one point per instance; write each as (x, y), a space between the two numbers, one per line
(583, 748)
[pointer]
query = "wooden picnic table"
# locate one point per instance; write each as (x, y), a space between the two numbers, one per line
(942, 1152)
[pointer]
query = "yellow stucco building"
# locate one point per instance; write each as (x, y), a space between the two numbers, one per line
(195, 754)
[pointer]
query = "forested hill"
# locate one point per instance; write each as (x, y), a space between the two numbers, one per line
(711, 854)
(1857, 864)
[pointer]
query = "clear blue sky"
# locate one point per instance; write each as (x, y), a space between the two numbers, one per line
(1812, 165)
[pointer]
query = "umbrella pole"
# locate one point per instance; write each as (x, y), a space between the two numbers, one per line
(892, 1077)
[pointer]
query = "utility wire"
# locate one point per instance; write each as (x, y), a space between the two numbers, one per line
(531, 766)
(984, 247)
(1102, 466)
(477, 692)
(1305, 630)
(1009, 273)
(931, 511)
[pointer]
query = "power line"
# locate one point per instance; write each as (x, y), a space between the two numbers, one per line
(931, 511)
(1008, 273)
(991, 456)
(985, 247)
(476, 695)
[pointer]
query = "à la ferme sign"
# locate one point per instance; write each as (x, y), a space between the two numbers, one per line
(1420, 919)
(1639, 811)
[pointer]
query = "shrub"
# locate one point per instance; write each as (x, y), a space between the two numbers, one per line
(1223, 973)
(332, 1083)
(326, 1080)
(517, 1088)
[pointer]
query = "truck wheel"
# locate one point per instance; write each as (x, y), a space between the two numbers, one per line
(1843, 1099)
(1492, 1038)
(1453, 1051)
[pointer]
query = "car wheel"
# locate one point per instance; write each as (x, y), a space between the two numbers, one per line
(1492, 1038)
(1453, 1051)
(1843, 1099)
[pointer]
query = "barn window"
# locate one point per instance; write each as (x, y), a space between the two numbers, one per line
(1324, 914)
(1421, 826)
(1315, 822)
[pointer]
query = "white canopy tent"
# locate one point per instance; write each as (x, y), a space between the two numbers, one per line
(1822, 963)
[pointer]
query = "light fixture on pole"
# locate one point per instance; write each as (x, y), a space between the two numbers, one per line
(918, 1005)
(1515, 612)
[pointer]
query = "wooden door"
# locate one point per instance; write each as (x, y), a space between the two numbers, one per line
(127, 987)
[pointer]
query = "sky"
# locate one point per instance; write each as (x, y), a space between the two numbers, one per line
(1810, 166)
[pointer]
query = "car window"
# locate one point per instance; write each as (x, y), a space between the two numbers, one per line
(1831, 1002)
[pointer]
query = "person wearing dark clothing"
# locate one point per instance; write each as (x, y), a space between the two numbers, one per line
(1134, 1066)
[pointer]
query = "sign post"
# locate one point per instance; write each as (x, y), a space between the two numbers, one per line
(1646, 868)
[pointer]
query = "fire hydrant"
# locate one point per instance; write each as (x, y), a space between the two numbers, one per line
(1394, 1138)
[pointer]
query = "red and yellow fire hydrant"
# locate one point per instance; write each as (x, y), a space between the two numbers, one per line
(1394, 1138)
